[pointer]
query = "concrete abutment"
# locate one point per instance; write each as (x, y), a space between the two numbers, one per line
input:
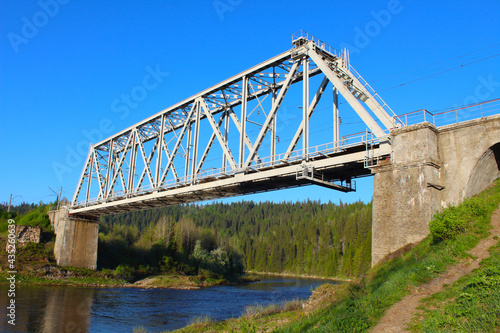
(430, 168)
(76, 239)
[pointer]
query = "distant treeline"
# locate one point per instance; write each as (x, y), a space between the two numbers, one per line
(301, 238)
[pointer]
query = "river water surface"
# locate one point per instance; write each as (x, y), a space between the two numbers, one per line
(71, 309)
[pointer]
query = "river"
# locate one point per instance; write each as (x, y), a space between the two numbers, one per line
(70, 309)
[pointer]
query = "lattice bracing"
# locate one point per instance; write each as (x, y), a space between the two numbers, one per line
(213, 144)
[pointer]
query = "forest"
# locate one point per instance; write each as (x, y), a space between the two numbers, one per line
(313, 238)
(222, 240)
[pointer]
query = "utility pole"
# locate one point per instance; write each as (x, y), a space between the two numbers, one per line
(57, 195)
(10, 202)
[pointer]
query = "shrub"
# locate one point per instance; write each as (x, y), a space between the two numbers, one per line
(124, 272)
(456, 220)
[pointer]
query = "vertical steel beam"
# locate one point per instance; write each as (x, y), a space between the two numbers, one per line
(273, 131)
(91, 167)
(243, 134)
(108, 171)
(188, 150)
(336, 132)
(196, 140)
(226, 138)
(133, 156)
(159, 153)
(305, 106)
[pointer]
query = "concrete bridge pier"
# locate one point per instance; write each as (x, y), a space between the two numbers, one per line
(406, 190)
(430, 168)
(76, 239)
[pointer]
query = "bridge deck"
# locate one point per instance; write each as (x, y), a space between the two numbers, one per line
(331, 164)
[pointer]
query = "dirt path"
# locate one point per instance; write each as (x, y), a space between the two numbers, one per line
(400, 314)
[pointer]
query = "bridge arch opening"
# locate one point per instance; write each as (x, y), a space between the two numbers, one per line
(486, 170)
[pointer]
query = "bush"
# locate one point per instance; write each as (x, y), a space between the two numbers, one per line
(217, 263)
(124, 272)
(456, 220)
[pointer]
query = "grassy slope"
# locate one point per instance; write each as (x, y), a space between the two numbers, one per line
(359, 306)
(472, 304)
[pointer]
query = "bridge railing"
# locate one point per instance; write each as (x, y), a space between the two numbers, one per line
(302, 34)
(470, 112)
(372, 91)
(366, 139)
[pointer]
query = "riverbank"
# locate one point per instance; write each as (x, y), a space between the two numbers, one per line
(77, 277)
(303, 276)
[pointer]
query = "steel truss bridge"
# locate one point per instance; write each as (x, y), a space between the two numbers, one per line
(185, 153)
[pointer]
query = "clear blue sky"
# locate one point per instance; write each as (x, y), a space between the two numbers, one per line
(64, 64)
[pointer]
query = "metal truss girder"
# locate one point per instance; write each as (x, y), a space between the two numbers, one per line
(263, 177)
(116, 157)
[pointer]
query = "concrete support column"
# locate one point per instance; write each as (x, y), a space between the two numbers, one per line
(76, 240)
(406, 190)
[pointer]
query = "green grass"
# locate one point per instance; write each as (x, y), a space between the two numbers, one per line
(359, 306)
(366, 302)
(260, 310)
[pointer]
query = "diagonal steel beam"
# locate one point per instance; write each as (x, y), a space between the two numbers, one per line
(271, 114)
(353, 102)
(99, 176)
(165, 149)
(119, 165)
(218, 134)
(178, 143)
(209, 145)
(311, 109)
(239, 125)
(147, 162)
(88, 164)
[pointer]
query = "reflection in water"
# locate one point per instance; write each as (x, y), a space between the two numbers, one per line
(75, 310)
(50, 309)
(68, 310)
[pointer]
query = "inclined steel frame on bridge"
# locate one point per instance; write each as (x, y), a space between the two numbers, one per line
(111, 164)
